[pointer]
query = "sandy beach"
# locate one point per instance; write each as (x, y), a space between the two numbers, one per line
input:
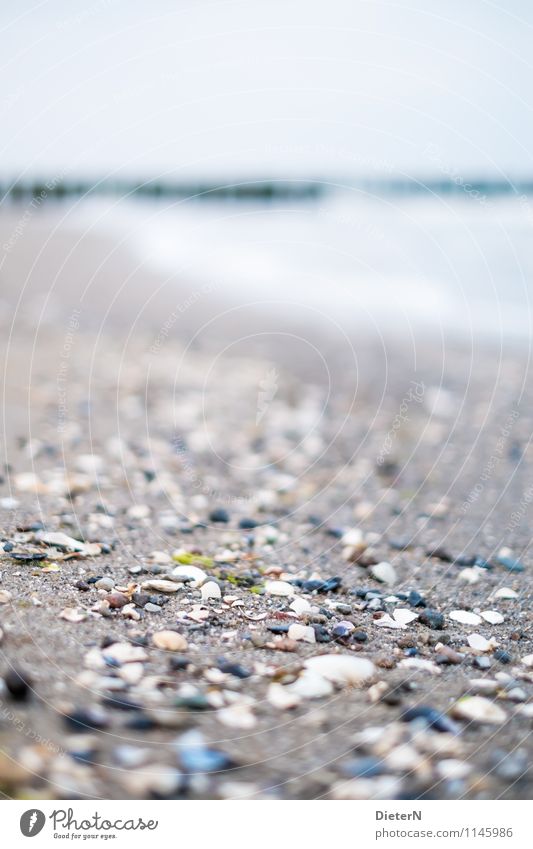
(201, 497)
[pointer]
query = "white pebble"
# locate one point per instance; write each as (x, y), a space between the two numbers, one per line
(480, 643)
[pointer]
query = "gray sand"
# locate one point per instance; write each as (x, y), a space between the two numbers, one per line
(128, 420)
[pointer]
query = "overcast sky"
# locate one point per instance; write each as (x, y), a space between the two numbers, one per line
(253, 88)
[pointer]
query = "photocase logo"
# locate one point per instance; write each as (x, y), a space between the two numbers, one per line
(32, 822)
(268, 388)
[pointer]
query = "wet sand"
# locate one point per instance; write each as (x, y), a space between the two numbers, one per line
(128, 419)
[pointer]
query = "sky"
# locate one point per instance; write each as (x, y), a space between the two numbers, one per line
(265, 88)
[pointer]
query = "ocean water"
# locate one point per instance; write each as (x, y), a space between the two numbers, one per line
(462, 264)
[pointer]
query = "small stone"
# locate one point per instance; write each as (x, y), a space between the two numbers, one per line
(18, 685)
(478, 709)
(279, 588)
(432, 619)
(149, 607)
(527, 660)
(416, 600)
(5, 597)
(465, 617)
(503, 656)
(237, 716)
(105, 584)
(510, 564)
(482, 662)
(341, 669)
(432, 717)
(124, 653)
(117, 600)
(492, 616)
(219, 515)
(169, 641)
(384, 572)
(210, 590)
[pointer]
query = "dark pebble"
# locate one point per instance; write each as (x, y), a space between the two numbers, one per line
(503, 656)
(432, 618)
(233, 669)
(416, 600)
(247, 524)
(433, 718)
(219, 515)
(336, 533)
(82, 585)
(199, 759)
(18, 685)
(367, 767)
(360, 636)
(511, 564)
(321, 634)
(9, 546)
(440, 553)
(86, 719)
(278, 629)
(179, 663)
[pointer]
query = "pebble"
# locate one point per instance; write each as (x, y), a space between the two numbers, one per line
(73, 614)
(280, 588)
(210, 590)
(478, 709)
(465, 617)
(117, 600)
(432, 619)
(416, 600)
(384, 572)
(18, 685)
(196, 756)
(105, 584)
(169, 641)
(511, 766)
(482, 662)
(219, 515)
(123, 653)
(433, 719)
(527, 660)
(510, 564)
(341, 669)
(5, 597)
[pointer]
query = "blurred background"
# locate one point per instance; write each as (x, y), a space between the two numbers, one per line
(370, 160)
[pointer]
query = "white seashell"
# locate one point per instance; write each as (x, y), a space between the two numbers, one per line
(210, 590)
(492, 616)
(465, 617)
(480, 643)
(281, 697)
(311, 685)
(505, 592)
(280, 588)
(300, 605)
(342, 669)
(197, 575)
(302, 632)
(384, 572)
